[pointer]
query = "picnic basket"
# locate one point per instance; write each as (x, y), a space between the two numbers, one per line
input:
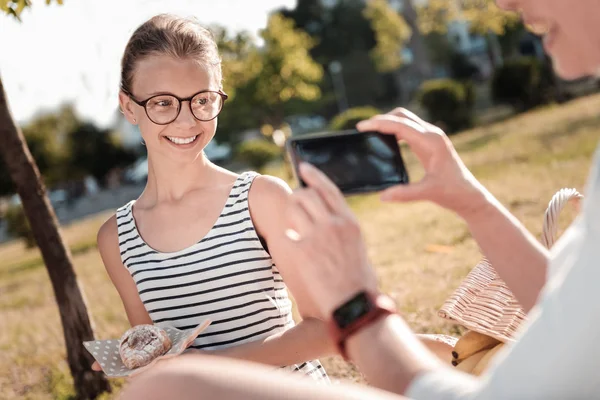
(483, 303)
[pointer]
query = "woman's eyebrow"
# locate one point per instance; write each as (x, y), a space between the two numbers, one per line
(173, 94)
(159, 92)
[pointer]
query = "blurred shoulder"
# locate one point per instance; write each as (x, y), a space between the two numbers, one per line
(107, 233)
(268, 201)
(269, 187)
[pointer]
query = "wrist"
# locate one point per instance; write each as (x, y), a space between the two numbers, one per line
(341, 293)
(476, 201)
(356, 314)
(368, 334)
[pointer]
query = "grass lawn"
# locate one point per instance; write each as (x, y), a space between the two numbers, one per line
(420, 251)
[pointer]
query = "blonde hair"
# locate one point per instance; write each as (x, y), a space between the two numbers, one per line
(178, 37)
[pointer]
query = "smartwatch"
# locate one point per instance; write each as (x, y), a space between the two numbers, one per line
(360, 311)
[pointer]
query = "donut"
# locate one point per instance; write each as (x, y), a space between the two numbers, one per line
(140, 345)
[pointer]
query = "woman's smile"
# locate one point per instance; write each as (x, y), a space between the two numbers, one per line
(183, 142)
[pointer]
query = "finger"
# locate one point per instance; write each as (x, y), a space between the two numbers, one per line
(403, 128)
(189, 343)
(135, 373)
(404, 113)
(298, 219)
(393, 125)
(406, 193)
(328, 191)
(140, 370)
(96, 366)
(313, 204)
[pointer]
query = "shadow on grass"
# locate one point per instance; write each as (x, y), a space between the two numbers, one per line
(478, 143)
(35, 263)
(568, 129)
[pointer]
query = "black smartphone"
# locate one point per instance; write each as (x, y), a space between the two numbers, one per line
(357, 162)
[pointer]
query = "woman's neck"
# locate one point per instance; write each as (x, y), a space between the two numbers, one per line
(172, 180)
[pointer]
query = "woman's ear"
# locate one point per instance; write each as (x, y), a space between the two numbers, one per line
(126, 107)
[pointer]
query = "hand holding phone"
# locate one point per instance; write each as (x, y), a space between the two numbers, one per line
(356, 162)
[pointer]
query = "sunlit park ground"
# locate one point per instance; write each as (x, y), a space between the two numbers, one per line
(421, 252)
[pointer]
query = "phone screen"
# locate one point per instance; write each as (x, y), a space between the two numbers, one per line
(355, 161)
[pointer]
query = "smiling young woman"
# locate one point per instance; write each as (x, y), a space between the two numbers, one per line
(201, 242)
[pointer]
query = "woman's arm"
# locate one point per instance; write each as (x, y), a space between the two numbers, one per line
(200, 377)
(520, 260)
(108, 246)
(309, 339)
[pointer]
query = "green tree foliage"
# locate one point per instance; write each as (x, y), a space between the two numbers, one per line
(95, 152)
(18, 226)
(16, 7)
(45, 136)
(439, 48)
(265, 82)
(344, 33)
(241, 63)
(349, 118)
(241, 59)
(449, 103)
(523, 83)
(257, 153)
(483, 16)
(337, 30)
(287, 71)
(64, 147)
(391, 35)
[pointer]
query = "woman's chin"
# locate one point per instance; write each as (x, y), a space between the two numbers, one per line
(571, 66)
(573, 71)
(179, 156)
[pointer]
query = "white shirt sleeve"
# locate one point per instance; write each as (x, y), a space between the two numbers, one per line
(557, 353)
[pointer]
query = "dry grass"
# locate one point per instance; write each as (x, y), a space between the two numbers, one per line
(420, 251)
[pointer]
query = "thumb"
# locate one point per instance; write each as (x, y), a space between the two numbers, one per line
(405, 193)
(96, 366)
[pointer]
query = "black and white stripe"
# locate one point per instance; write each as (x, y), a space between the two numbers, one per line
(227, 277)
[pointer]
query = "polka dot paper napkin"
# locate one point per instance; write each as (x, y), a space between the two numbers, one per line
(106, 352)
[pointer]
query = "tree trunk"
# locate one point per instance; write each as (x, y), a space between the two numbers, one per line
(73, 312)
(494, 50)
(421, 61)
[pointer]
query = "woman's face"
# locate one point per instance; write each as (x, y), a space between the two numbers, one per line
(183, 139)
(571, 29)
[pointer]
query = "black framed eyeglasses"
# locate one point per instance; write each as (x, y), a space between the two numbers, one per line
(162, 109)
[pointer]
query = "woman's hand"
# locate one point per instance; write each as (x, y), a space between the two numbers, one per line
(447, 180)
(96, 366)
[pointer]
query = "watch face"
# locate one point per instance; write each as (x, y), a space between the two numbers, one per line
(352, 310)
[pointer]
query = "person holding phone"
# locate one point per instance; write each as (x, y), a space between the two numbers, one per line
(202, 242)
(555, 355)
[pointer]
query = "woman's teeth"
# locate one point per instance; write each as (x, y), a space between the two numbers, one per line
(178, 140)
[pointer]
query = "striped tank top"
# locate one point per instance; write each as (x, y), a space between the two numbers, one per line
(227, 277)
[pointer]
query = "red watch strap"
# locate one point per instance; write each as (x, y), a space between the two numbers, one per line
(381, 305)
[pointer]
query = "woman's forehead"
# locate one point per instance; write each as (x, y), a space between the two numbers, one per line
(161, 73)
